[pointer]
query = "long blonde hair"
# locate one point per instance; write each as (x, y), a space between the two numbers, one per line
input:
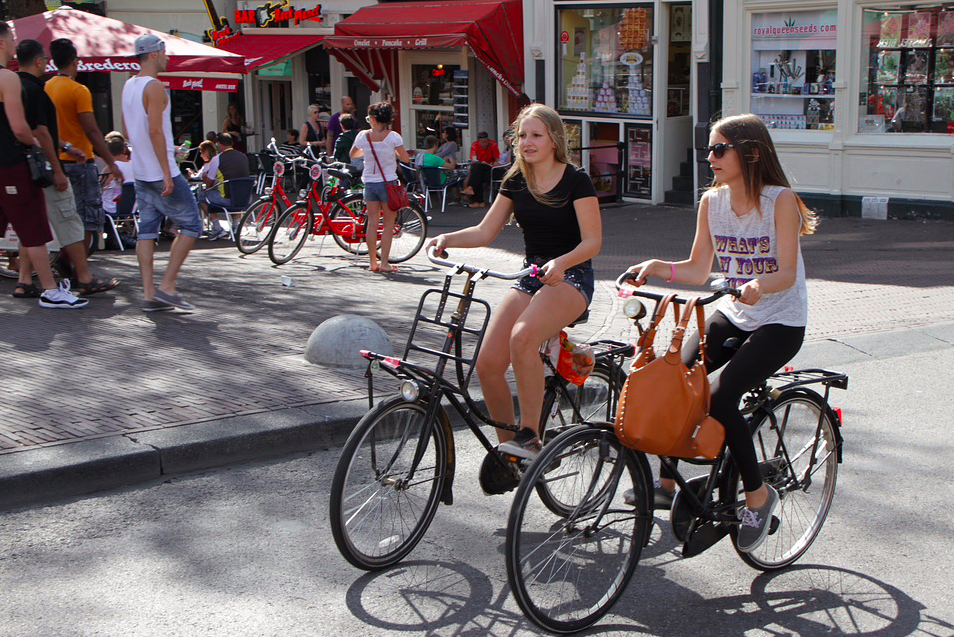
(554, 125)
(759, 161)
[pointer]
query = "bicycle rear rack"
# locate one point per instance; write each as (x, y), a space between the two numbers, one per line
(801, 377)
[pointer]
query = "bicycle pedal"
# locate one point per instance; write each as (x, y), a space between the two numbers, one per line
(774, 524)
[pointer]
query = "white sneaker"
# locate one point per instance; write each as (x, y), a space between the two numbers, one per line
(62, 298)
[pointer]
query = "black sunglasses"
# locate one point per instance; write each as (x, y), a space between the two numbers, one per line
(718, 149)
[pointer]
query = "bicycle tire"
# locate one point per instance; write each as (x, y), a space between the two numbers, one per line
(291, 231)
(352, 207)
(592, 401)
(10, 273)
(410, 232)
(385, 432)
(803, 507)
(256, 225)
(552, 559)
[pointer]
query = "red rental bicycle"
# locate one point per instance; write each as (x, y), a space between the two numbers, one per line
(257, 223)
(343, 215)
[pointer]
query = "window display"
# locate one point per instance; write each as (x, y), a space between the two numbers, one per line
(908, 70)
(606, 60)
(793, 69)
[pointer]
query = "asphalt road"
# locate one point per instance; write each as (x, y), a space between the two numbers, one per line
(247, 550)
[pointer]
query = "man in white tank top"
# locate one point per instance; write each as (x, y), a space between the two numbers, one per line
(161, 190)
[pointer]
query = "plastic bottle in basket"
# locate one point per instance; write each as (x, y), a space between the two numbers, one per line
(575, 360)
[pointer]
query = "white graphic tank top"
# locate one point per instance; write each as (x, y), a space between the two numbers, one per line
(745, 249)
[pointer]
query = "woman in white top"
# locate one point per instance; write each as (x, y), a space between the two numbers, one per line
(388, 147)
(750, 222)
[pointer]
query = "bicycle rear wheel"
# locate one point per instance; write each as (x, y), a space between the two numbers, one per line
(377, 517)
(291, 231)
(255, 226)
(410, 231)
(567, 571)
(805, 483)
(352, 208)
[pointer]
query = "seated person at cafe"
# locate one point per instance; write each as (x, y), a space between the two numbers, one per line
(228, 164)
(111, 191)
(291, 145)
(483, 155)
(449, 147)
(430, 159)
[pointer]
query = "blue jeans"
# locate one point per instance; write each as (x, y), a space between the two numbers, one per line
(179, 206)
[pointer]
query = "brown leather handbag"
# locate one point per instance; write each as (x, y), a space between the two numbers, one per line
(664, 406)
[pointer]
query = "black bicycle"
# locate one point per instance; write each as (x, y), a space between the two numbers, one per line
(567, 569)
(398, 464)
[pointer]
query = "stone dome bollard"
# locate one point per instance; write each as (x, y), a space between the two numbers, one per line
(338, 340)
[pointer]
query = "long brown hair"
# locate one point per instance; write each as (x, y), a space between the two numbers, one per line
(759, 161)
(554, 125)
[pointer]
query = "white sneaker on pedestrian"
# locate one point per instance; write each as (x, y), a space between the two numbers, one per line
(61, 298)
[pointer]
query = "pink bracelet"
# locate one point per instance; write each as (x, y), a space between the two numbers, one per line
(672, 272)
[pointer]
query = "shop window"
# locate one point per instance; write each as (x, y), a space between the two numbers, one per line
(680, 39)
(604, 155)
(606, 59)
(908, 70)
(432, 84)
(639, 165)
(574, 140)
(793, 68)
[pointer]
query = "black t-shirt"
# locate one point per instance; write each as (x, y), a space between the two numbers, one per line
(549, 232)
(38, 106)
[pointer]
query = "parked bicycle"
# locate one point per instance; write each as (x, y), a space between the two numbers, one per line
(342, 214)
(258, 222)
(398, 464)
(568, 568)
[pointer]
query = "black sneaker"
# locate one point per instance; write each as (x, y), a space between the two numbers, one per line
(756, 523)
(524, 445)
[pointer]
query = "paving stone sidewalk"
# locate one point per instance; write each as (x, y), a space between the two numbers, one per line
(110, 369)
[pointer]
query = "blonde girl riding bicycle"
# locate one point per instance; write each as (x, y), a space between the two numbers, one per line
(750, 222)
(556, 207)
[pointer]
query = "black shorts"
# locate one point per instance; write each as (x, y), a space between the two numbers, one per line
(579, 276)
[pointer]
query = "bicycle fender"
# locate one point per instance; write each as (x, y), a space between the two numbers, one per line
(447, 494)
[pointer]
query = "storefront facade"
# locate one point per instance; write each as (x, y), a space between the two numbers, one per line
(859, 96)
(622, 75)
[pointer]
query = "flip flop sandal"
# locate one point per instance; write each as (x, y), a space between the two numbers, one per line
(30, 291)
(95, 286)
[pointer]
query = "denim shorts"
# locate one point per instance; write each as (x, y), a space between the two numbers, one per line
(579, 276)
(376, 191)
(84, 178)
(180, 206)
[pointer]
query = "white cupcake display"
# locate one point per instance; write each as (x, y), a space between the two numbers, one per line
(578, 91)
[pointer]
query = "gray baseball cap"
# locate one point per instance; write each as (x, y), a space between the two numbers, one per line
(147, 43)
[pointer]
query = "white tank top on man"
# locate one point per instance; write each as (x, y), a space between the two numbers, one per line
(385, 153)
(146, 166)
(746, 248)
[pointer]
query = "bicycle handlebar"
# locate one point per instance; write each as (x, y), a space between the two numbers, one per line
(721, 290)
(533, 270)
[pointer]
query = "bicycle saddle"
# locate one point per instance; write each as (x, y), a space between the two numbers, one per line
(340, 174)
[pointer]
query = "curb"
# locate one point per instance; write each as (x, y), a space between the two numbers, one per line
(41, 475)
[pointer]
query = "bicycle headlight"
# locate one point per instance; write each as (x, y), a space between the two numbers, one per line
(410, 390)
(633, 308)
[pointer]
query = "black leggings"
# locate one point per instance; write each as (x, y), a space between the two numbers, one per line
(762, 353)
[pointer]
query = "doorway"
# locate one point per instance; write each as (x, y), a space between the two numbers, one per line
(276, 100)
(678, 161)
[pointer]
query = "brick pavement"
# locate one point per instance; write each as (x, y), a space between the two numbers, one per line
(110, 369)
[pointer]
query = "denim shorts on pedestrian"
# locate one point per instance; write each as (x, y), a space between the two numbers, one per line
(179, 206)
(376, 190)
(84, 179)
(579, 276)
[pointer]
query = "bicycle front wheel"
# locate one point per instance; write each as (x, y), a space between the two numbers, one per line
(409, 233)
(567, 570)
(805, 481)
(379, 512)
(255, 226)
(291, 231)
(352, 209)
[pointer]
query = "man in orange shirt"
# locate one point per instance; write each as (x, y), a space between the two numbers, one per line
(78, 130)
(483, 155)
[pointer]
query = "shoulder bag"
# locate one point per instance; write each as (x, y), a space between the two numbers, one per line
(41, 171)
(664, 406)
(397, 193)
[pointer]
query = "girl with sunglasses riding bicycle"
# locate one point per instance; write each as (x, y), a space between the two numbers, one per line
(750, 222)
(555, 204)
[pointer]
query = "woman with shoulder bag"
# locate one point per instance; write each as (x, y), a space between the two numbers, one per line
(750, 221)
(381, 147)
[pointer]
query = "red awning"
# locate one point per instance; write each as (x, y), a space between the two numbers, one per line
(263, 48)
(492, 29)
(105, 44)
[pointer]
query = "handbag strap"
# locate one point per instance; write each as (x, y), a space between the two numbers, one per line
(647, 338)
(371, 144)
(675, 348)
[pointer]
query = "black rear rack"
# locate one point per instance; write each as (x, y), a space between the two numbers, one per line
(800, 377)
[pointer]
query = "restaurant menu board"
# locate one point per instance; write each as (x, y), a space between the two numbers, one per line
(910, 70)
(639, 153)
(461, 96)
